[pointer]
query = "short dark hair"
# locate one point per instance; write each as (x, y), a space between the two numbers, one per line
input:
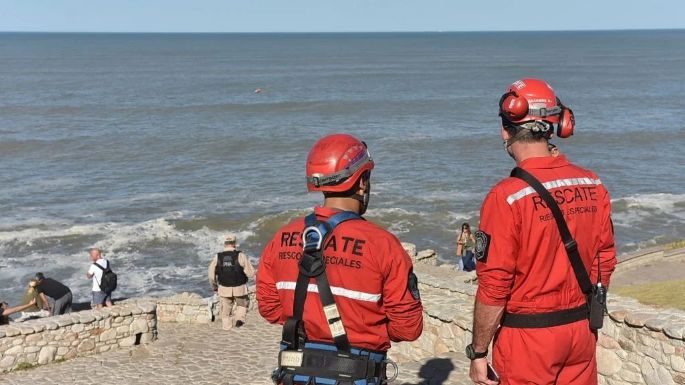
(352, 191)
(530, 132)
(40, 276)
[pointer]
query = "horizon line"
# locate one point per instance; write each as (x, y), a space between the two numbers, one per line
(348, 32)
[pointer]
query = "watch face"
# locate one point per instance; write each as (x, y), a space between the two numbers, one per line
(470, 353)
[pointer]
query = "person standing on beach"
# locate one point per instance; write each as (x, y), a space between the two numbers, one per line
(228, 274)
(336, 281)
(529, 280)
(465, 243)
(55, 290)
(97, 268)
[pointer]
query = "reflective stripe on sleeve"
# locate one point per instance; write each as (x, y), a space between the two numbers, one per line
(338, 291)
(524, 192)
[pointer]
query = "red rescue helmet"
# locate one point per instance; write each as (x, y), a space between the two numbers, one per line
(336, 162)
(533, 100)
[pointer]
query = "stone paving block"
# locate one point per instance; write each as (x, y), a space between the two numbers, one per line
(187, 354)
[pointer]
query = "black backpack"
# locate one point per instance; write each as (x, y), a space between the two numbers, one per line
(108, 283)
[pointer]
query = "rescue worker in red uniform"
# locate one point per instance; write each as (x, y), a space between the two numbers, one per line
(529, 298)
(374, 298)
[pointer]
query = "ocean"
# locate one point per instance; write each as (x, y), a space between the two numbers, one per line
(154, 146)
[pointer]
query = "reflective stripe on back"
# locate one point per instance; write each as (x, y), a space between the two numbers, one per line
(524, 192)
(337, 291)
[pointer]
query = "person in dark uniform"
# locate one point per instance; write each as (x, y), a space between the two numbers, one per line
(228, 274)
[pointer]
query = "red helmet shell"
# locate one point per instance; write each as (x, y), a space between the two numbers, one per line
(529, 99)
(336, 162)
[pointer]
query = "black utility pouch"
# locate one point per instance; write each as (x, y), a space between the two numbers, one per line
(596, 302)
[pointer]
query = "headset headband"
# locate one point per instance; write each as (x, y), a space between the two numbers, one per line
(544, 112)
(541, 112)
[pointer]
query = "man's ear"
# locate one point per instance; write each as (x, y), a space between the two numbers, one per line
(362, 184)
(505, 134)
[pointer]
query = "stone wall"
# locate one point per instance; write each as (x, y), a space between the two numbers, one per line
(192, 308)
(639, 344)
(41, 341)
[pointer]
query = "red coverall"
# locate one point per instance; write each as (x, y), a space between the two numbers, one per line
(368, 272)
(526, 269)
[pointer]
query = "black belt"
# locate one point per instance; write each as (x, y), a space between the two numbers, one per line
(544, 320)
(343, 367)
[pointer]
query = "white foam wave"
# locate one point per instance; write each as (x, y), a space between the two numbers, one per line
(663, 202)
(628, 211)
(116, 236)
(151, 256)
(383, 211)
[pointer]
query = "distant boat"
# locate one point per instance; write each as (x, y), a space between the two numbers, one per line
(258, 90)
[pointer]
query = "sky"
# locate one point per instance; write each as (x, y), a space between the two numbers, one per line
(336, 15)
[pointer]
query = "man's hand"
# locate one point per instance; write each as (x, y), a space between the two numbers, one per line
(32, 302)
(479, 372)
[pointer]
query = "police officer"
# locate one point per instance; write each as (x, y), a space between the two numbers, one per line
(526, 280)
(228, 274)
(345, 286)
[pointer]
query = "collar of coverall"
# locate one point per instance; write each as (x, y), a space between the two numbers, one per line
(325, 212)
(544, 162)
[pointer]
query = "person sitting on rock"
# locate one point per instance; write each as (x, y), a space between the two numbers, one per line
(35, 311)
(228, 274)
(6, 310)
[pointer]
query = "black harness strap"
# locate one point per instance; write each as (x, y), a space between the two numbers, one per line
(332, 364)
(312, 265)
(569, 243)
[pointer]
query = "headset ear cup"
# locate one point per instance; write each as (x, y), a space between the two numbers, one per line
(567, 123)
(513, 107)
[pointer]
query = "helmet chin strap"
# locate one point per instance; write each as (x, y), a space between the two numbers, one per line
(363, 200)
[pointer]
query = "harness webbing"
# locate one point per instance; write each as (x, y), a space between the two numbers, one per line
(313, 265)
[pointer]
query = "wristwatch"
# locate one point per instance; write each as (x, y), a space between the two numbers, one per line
(473, 355)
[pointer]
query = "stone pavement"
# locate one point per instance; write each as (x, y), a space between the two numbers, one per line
(204, 354)
(665, 269)
(446, 369)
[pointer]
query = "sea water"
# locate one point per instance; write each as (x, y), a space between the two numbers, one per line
(154, 146)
